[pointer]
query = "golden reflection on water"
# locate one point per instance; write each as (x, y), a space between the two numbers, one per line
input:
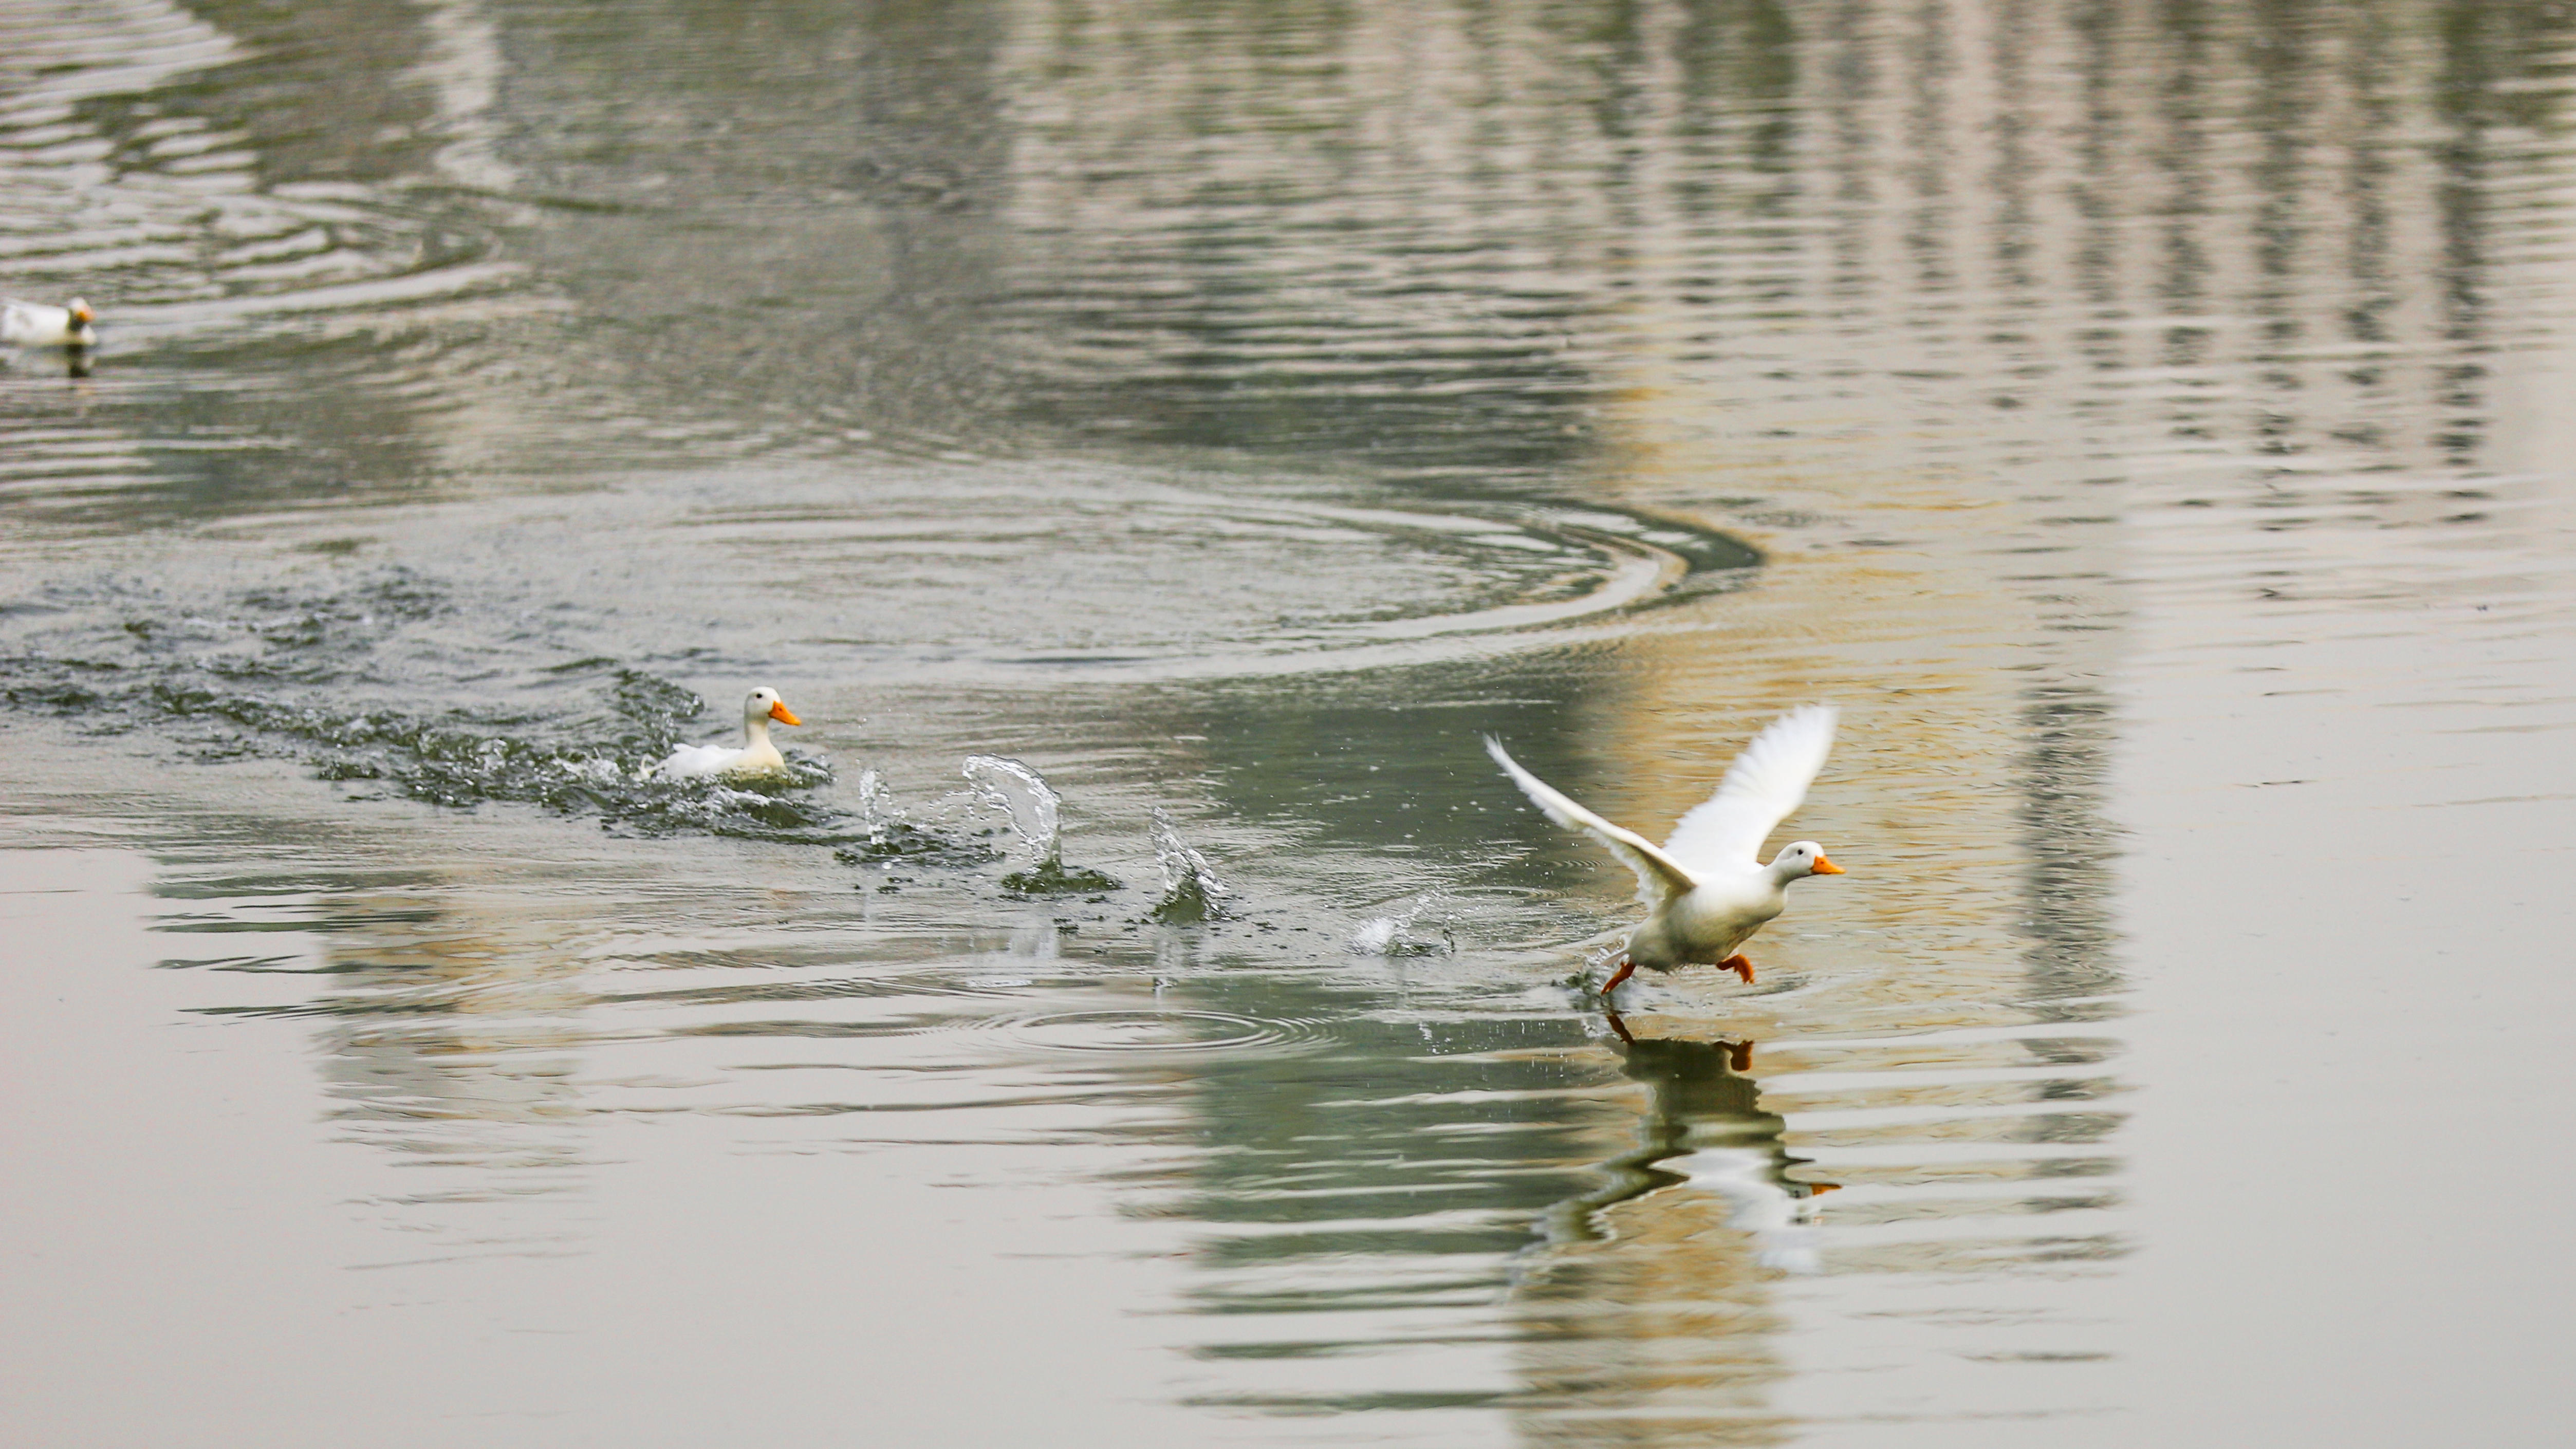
(453, 1041)
(1650, 1310)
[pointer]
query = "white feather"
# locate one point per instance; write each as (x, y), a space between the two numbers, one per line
(1764, 784)
(1659, 879)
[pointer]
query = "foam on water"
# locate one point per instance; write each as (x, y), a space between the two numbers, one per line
(1396, 935)
(1405, 933)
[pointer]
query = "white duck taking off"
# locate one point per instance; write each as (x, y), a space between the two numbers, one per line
(34, 324)
(757, 755)
(1707, 891)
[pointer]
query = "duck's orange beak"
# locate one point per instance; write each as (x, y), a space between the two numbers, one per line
(781, 713)
(1825, 866)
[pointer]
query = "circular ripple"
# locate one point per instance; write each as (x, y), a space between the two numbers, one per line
(1152, 1031)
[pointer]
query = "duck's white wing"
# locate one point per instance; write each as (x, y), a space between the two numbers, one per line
(1764, 784)
(691, 762)
(21, 322)
(1658, 878)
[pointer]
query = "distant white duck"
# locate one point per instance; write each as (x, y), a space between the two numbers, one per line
(34, 324)
(1707, 891)
(757, 755)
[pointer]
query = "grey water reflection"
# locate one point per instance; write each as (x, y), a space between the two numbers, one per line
(2073, 944)
(1232, 412)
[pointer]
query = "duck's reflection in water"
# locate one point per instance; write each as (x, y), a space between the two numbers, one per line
(1650, 1302)
(1705, 1131)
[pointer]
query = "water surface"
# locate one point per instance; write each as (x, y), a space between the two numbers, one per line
(2142, 420)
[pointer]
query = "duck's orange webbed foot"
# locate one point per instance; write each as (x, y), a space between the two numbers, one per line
(1740, 965)
(1627, 968)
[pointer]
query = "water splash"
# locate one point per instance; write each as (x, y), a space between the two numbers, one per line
(878, 812)
(1022, 793)
(887, 831)
(1396, 935)
(1191, 890)
(1035, 810)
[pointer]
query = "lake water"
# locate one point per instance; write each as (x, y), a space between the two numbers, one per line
(2148, 423)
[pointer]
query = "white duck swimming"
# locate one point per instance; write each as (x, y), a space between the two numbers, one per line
(1707, 891)
(757, 755)
(34, 324)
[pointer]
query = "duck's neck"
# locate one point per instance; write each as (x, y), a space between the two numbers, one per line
(1782, 871)
(755, 732)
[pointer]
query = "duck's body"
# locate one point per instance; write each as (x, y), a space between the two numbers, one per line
(1706, 890)
(1705, 926)
(755, 756)
(35, 324)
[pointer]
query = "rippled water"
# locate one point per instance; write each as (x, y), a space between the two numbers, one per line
(2144, 421)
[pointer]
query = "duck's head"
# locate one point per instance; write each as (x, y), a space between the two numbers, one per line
(81, 317)
(1805, 858)
(764, 703)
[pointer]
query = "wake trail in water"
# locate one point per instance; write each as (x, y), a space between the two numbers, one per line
(337, 679)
